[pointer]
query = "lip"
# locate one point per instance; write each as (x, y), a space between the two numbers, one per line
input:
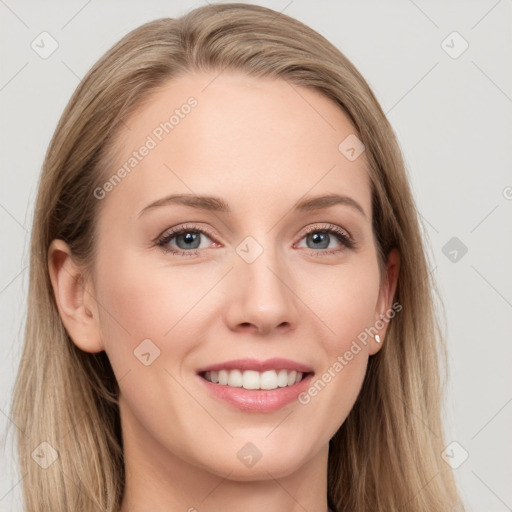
(250, 400)
(257, 400)
(276, 363)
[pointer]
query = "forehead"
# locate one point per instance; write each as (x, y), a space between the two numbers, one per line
(251, 140)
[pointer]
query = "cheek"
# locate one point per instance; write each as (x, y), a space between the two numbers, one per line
(141, 300)
(347, 307)
(136, 304)
(344, 298)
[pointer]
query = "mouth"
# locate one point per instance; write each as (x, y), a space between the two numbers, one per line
(252, 379)
(257, 386)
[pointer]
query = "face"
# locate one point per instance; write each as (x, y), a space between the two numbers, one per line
(226, 286)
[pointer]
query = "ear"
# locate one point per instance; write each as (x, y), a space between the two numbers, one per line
(75, 301)
(385, 309)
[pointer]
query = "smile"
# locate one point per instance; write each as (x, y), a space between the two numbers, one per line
(251, 379)
(253, 385)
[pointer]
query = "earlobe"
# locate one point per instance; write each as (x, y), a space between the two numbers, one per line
(77, 307)
(384, 311)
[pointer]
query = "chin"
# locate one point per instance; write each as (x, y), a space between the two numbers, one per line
(253, 461)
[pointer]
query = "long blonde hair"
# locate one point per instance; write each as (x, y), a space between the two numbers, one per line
(387, 454)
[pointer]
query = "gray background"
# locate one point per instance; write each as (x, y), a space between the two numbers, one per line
(452, 118)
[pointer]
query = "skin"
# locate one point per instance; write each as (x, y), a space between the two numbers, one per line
(261, 146)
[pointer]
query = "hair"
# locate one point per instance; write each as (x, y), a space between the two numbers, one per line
(386, 456)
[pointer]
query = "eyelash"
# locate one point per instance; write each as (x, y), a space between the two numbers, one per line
(342, 236)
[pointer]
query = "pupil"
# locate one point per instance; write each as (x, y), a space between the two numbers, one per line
(190, 239)
(320, 240)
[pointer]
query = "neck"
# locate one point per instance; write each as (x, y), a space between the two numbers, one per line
(159, 480)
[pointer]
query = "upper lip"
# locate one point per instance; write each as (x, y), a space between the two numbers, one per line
(276, 363)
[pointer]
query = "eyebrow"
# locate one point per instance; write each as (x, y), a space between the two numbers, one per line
(216, 204)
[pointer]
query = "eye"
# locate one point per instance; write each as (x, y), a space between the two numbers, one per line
(326, 239)
(184, 240)
(188, 240)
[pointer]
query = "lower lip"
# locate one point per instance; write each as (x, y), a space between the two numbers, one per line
(257, 400)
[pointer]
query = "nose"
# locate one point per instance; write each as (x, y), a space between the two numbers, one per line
(261, 297)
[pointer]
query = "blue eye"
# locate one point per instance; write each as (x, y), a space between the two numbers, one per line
(331, 238)
(188, 240)
(184, 240)
(322, 240)
(318, 240)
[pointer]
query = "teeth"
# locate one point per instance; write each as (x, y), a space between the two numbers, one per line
(223, 377)
(235, 379)
(291, 377)
(251, 379)
(282, 379)
(268, 380)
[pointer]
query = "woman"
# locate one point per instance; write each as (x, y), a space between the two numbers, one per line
(230, 304)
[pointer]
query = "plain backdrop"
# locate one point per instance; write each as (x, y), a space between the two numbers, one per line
(442, 73)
